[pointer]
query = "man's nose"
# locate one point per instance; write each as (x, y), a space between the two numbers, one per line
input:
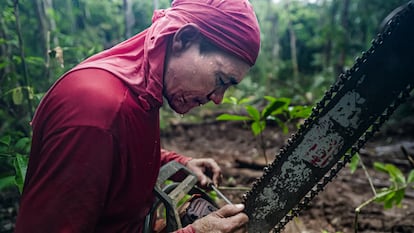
(217, 97)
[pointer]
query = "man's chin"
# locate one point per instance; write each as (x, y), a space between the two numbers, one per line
(180, 109)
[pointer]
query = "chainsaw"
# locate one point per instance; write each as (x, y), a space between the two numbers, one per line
(181, 203)
(349, 114)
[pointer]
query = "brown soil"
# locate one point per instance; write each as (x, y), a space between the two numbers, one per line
(234, 147)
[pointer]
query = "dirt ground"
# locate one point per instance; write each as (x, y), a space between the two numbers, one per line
(234, 146)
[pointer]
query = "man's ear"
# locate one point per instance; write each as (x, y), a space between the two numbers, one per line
(185, 36)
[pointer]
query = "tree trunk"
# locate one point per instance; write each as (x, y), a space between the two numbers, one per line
(71, 16)
(43, 29)
(333, 8)
(26, 81)
(274, 38)
(47, 28)
(48, 5)
(5, 52)
(156, 4)
(345, 38)
(129, 18)
(293, 50)
(273, 45)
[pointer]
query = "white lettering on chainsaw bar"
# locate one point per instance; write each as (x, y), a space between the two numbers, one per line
(319, 146)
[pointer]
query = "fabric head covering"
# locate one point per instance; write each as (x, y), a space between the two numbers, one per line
(139, 61)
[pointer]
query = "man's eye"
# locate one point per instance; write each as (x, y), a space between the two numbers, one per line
(220, 81)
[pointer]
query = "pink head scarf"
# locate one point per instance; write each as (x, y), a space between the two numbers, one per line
(139, 61)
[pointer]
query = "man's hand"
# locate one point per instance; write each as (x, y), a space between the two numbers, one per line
(228, 219)
(205, 169)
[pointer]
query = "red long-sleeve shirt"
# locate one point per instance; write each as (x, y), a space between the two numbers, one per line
(95, 158)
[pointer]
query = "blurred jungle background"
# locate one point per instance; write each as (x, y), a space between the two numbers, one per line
(306, 44)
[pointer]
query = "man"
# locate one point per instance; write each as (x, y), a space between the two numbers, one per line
(96, 146)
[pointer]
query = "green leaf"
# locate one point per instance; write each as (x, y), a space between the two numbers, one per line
(386, 198)
(17, 59)
(396, 176)
(284, 102)
(390, 197)
(5, 140)
(91, 51)
(389, 200)
(410, 177)
(353, 165)
(6, 182)
(2, 154)
(380, 167)
(382, 195)
(17, 96)
(35, 60)
(231, 117)
(269, 98)
(299, 111)
(20, 166)
(4, 64)
(30, 92)
(23, 145)
(243, 101)
(258, 127)
(230, 100)
(395, 173)
(271, 107)
(253, 112)
(398, 197)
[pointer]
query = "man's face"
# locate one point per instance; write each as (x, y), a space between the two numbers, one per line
(192, 79)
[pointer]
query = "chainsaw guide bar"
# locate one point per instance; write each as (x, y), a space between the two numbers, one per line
(348, 115)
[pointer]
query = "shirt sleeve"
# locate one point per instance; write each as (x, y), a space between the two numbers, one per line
(66, 186)
(167, 156)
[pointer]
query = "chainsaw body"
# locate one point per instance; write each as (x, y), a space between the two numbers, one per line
(171, 197)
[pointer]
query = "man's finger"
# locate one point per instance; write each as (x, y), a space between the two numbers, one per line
(215, 169)
(233, 214)
(230, 210)
(201, 177)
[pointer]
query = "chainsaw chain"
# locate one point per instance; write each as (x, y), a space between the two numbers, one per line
(316, 111)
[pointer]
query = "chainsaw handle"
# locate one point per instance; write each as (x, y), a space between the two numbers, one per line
(170, 195)
(170, 169)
